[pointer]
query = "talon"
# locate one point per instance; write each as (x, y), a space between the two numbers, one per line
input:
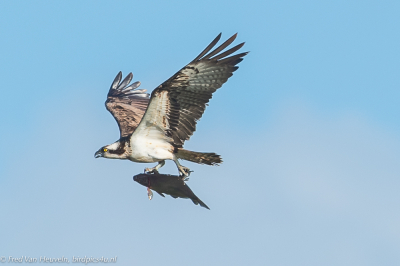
(154, 170)
(184, 173)
(150, 171)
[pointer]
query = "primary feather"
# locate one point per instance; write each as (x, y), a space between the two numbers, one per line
(126, 103)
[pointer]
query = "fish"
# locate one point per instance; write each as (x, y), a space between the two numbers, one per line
(171, 185)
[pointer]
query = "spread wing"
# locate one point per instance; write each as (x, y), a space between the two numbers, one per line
(177, 104)
(126, 103)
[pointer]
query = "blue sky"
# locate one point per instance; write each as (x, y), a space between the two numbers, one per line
(308, 128)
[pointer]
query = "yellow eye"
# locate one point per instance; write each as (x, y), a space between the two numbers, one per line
(105, 149)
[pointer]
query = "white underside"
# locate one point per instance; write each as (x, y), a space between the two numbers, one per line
(149, 143)
(150, 149)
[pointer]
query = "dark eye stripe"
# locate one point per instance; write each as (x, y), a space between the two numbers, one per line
(121, 148)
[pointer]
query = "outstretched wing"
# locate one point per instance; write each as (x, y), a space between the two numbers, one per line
(177, 104)
(126, 103)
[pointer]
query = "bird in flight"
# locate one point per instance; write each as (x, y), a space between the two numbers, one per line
(154, 129)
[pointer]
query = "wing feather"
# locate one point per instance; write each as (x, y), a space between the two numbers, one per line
(208, 48)
(182, 99)
(230, 51)
(221, 47)
(126, 103)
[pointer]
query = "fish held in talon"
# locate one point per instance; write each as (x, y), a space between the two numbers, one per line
(168, 184)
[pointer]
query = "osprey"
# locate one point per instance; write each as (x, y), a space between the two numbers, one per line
(154, 129)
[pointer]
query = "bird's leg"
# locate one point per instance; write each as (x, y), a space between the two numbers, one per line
(184, 172)
(155, 168)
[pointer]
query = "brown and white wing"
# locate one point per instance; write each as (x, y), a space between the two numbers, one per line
(177, 104)
(126, 103)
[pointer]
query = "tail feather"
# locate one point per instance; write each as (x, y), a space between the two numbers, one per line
(209, 158)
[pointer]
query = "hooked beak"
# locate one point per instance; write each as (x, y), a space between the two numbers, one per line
(98, 153)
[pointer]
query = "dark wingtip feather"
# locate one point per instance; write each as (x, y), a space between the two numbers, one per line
(126, 81)
(209, 47)
(228, 52)
(221, 47)
(233, 60)
(116, 81)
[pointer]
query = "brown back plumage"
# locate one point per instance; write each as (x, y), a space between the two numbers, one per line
(126, 103)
